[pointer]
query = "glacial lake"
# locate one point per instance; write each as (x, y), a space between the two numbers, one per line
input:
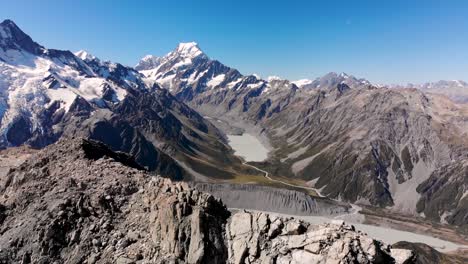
(248, 147)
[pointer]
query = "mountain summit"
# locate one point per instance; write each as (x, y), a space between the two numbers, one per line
(84, 55)
(148, 62)
(13, 38)
(183, 54)
(188, 50)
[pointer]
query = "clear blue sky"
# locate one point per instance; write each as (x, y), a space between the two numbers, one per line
(383, 41)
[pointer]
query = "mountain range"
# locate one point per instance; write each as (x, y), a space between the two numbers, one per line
(454, 89)
(399, 148)
(47, 94)
(352, 140)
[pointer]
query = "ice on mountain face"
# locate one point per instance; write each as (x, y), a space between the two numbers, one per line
(234, 83)
(302, 82)
(189, 50)
(255, 85)
(29, 95)
(17, 58)
(215, 81)
(195, 76)
(65, 96)
(33, 78)
(29, 80)
(184, 62)
(167, 81)
(191, 79)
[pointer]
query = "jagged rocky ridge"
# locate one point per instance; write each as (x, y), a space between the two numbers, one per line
(77, 201)
(47, 94)
(352, 140)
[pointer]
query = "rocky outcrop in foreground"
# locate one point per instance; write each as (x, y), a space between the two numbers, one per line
(78, 202)
(262, 238)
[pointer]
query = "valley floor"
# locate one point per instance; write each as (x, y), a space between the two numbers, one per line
(381, 224)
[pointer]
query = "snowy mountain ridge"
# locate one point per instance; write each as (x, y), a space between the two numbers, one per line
(84, 55)
(187, 70)
(148, 62)
(34, 79)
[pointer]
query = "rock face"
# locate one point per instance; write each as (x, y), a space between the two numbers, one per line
(79, 202)
(446, 191)
(262, 238)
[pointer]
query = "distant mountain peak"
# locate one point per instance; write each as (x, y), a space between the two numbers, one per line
(149, 57)
(8, 22)
(274, 78)
(344, 75)
(84, 55)
(148, 62)
(12, 37)
(188, 50)
(302, 82)
(183, 54)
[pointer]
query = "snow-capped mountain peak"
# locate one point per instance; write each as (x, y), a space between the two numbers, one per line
(4, 29)
(84, 55)
(302, 82)
(13, 38)
(149, 57)
(37, 83)
(183, 55)
(274, 78)
(344, 75)
(331, 79)
(8, 29)
(188, 50)
(148, 62)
